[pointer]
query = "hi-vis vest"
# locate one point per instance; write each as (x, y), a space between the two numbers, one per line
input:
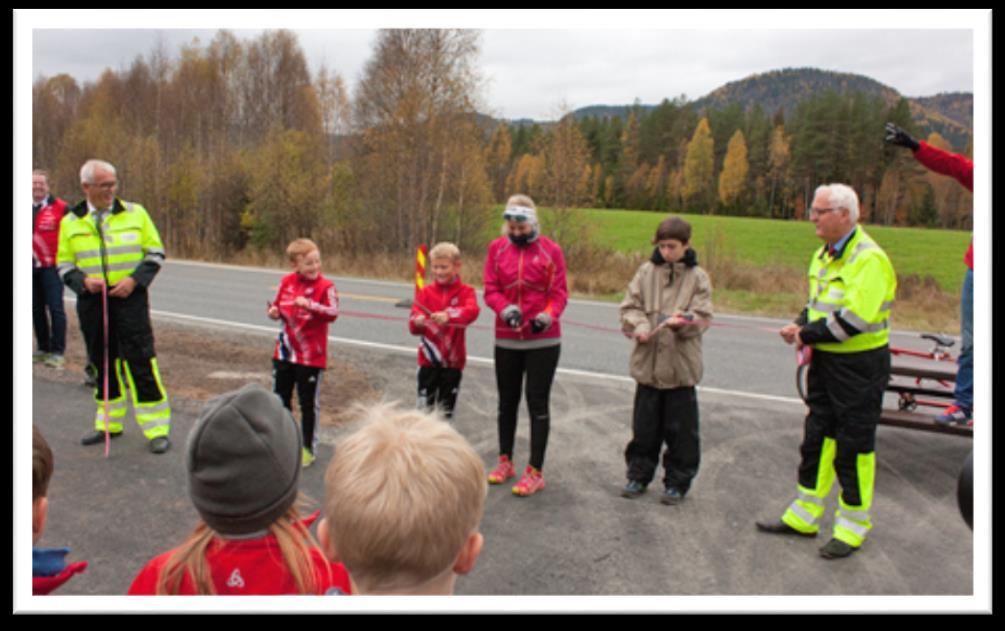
(860, 287)
(111, 250)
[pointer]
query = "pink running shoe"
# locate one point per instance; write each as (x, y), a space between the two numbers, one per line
(504, 471)
(531, 482)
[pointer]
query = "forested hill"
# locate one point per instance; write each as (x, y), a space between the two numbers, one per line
(780, 91)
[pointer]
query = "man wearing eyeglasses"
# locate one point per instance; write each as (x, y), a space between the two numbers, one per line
(847, 325)
(110, 250)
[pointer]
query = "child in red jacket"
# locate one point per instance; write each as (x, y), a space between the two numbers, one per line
(441, 312)
(243, 473)
(306, 303)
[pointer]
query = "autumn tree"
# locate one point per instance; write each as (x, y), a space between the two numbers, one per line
(54, 108)
(335, 108)
(416, 91)
(698, 170)
(527, 175)
(566, 155)
(778, 171)
(733, 179)
(498, 155)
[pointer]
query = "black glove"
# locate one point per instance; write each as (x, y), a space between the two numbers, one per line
(897, 136)
(511, 316)
(541, 323)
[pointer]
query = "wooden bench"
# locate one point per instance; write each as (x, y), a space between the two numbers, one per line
(923, 422)
(905, 371)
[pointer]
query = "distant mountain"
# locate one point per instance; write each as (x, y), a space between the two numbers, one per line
(783, 89)
(951, 115)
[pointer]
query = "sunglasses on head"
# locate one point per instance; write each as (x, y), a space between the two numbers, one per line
(516, 213)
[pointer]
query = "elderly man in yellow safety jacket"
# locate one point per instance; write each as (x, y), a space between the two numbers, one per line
(108, 244)
(847, 324)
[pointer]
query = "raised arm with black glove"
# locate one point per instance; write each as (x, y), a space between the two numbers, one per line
(897, 136)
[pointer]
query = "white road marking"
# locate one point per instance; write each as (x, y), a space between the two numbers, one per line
(486, 361)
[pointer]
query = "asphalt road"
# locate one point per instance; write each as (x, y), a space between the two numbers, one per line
(578, 537)
(743, 355)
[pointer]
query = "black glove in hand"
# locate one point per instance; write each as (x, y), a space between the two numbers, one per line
(541, 323)
(897, 136)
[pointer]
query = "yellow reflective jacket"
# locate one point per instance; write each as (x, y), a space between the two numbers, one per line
(124, 243)
(851, 296)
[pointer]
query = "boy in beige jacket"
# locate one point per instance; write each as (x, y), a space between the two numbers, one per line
(666, 310)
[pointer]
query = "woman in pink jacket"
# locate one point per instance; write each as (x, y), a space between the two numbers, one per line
(525, 285)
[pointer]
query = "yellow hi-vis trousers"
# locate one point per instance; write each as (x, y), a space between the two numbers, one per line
(153, 417)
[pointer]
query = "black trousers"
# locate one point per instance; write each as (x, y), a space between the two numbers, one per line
(664, 417)
(538, 366)
(845, 400)
(439, 386)
(307, 380)
(130, 337)
(47, 314)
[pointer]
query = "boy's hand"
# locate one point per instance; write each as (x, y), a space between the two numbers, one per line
(440, 317)
(273, 312)
(420, 321)
(300, 301)
(678, 320)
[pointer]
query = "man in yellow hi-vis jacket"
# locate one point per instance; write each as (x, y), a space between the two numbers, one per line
(847, 324)
(106, 243)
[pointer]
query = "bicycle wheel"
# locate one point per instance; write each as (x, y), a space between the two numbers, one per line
(801, 385)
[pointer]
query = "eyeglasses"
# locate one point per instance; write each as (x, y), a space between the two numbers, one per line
(821, 211)
(106, 186)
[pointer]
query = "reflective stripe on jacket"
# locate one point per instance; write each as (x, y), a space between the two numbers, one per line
(851, 295)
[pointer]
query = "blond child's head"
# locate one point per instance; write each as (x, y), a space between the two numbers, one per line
(404, 495)
(445, 262)
(305, 258)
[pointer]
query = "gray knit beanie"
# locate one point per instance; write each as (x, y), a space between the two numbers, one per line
(243, 461)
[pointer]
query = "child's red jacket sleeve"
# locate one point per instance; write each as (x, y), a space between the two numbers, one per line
(467, 312)
(327, 307)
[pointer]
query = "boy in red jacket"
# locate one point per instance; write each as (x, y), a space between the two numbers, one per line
(306, 303)
(441, 312)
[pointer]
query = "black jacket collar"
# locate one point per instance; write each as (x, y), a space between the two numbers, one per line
(81, 209)
(690, 257)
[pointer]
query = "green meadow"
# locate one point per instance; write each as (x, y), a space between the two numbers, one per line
(763, 243)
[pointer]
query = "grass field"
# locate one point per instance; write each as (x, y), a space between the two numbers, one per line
(767, 242)
(759, 266)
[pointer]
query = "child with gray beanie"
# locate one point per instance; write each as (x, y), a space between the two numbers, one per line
(243, 463)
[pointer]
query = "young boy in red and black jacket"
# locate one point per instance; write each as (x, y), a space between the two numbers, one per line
(307, 303)
(440, 314)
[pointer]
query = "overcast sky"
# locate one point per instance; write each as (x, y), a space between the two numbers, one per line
(571, 59)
